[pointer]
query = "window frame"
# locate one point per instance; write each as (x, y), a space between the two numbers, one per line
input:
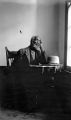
(66, 34)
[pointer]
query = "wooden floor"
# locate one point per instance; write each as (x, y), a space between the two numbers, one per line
(16, 115)
(51, 109)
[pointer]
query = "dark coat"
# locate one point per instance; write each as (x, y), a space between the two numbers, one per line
(25, 53)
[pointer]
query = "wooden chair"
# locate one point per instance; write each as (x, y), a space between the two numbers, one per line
(10, 56)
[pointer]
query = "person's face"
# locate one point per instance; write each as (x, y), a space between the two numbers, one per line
(37, 44)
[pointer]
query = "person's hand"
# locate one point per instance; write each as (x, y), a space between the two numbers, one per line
(37, 48)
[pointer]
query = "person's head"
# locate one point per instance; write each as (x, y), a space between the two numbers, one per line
(35, 42)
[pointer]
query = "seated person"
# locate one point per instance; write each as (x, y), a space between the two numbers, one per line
(33, 54)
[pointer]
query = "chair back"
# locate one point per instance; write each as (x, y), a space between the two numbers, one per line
(10, 56)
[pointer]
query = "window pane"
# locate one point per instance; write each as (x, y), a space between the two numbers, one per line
(69, 38)
(69, 17)
(69, 57)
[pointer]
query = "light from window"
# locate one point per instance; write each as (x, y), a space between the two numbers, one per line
(69, 38)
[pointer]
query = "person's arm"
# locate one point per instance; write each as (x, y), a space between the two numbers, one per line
(21, 52)
(42, 57)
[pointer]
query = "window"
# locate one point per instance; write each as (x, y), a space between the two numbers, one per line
(68, 32)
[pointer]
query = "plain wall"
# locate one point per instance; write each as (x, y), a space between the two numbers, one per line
(13, 18)
(41, 17)
(48, 26)
(62, 30)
